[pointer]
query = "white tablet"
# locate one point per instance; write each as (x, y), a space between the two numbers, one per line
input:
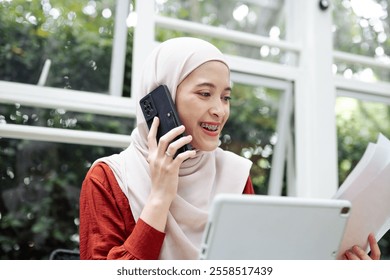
(274, 228)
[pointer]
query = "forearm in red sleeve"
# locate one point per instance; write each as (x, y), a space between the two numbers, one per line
(107, 227)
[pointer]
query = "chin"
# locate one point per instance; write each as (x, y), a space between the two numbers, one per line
(205, 148)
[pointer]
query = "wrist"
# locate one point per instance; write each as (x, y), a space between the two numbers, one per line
(160, 196)
(156, 211)
(159, 202)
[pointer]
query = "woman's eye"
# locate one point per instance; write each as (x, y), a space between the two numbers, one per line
(204, 94)
(226, 98)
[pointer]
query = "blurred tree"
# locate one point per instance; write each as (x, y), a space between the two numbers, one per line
(40, 182)
(362, 28)
(76, 37)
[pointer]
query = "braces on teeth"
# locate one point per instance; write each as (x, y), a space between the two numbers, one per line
(210, 127)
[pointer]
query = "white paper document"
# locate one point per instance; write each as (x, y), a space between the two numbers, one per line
(367, 187)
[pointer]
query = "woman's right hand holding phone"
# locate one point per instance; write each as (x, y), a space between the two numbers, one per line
(164, 169)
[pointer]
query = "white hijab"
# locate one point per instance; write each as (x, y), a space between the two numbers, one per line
(200, 178)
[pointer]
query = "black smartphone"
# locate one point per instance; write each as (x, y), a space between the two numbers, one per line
(159, 103)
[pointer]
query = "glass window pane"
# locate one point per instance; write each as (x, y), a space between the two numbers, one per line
(251, 129)
(358, 123)
(362, 28)
(264, 52)
(75, 36)
(243, 16)
(265, 18)
(39, 195)
(60, 118)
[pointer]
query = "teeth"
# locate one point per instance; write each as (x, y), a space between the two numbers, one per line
(209, 126)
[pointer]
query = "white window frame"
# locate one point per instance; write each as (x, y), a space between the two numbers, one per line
(374, 92)
(70, 100)
(349, 87)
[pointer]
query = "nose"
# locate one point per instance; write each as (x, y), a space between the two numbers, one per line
(218, 108)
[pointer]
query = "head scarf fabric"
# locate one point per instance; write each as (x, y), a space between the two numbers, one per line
(200, 178)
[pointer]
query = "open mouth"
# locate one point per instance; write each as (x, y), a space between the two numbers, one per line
(209, 127)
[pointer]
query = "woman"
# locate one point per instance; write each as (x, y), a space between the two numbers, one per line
(146, 204)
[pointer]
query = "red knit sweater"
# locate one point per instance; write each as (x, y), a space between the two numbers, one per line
(107, 227)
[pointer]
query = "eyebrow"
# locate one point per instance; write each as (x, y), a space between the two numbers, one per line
(212, 86)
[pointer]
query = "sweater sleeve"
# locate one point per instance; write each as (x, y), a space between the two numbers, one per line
(107, 227)
(248, 189)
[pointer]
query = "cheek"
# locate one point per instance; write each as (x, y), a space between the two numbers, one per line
(227, 114)
(188, 119)
(185, 118)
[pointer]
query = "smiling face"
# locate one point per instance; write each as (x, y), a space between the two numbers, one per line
(202, 102)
